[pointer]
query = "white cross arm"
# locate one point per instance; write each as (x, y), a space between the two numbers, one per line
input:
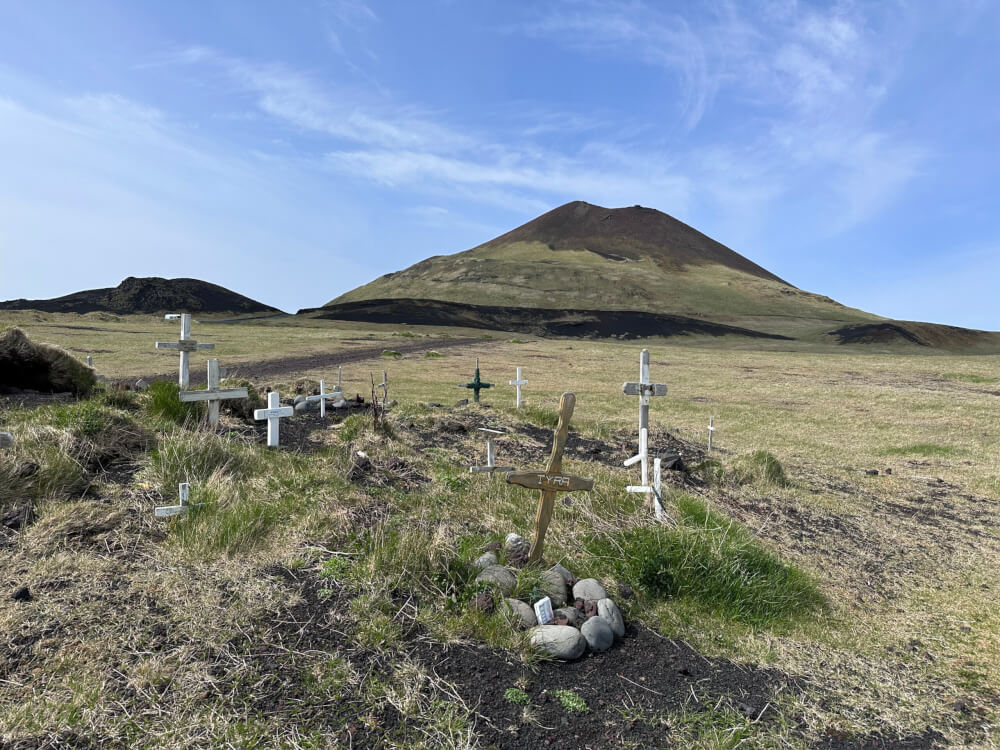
(640, 389)
(634, 460)
(170, 510)
(185, 346)
(490, 469)
(517, 382)
(281, 411)
(328, 394)
(213, 395)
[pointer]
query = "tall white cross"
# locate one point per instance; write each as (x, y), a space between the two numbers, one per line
(184, 491)
(517, 383)
(491, 454)
(643, 389)
(213, 394)
(324, 395)
(185, 344)
(272, 414)
(655, 489)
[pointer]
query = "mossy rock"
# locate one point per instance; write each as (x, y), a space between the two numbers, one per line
(26, 365)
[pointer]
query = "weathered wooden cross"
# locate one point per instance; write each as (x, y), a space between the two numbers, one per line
(6, 440)
(213, 394)
(272, 414)
(517, 382)
(324, 395)
(491, 455)
(643, 389)
(552, 480)
(477, 384)
(185, 344)
(183, 491)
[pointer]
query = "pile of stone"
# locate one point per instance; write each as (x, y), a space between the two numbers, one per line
(584, 617)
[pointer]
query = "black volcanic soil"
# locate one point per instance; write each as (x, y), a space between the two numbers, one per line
(628, 234)
(875, 333)
(623, 324)
(147, 295)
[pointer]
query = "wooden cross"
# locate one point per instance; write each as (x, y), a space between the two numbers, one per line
(491, 455)
(477, 384)
(183, 490)
(517, 382)
(185, 344)
(643, 389)
(6, 440)
(552, 480)
(272, 414)
(324, 395)
(212, 393)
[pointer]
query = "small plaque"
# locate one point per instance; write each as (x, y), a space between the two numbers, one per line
(543, 610)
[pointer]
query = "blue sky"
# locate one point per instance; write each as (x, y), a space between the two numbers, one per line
(292, 151)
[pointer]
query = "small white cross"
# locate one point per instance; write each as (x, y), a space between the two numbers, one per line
(491, 455)
(6, 440)
(213, 394)
(185, 344)
(324, 395)
(518, 382)
(384, 385)
(272, 414)
(184, 491)
(643, 389)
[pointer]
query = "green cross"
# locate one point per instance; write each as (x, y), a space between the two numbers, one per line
(477, 384)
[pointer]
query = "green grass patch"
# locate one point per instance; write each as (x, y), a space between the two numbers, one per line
(184, 456)
(162, 401)
(571, 701)
(434, 355)
(714, 562)
(390, 353)
(927, 450)
(964, 377)
(516, 341)
(759, 468)
(540, 415)
(516, 696)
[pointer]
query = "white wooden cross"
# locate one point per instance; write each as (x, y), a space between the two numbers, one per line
(185, 344)
(6, 440)
(517, 383)
(272, 414)
(491, 455)
(655, 489)
(183, 490)
(213, 394)
(324, 395)
(643, 389)
(384, 385)
(711, 431)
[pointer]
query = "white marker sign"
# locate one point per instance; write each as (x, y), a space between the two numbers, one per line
(185, 345)
(543, 610)
(272, 414)
(517, 383)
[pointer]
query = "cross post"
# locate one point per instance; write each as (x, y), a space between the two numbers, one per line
(272, 414)
(491, 455)
(711, 431)
(384, 385)
(183, 491)
(517, 382)
(656, 489)
(213, 394)
(477, 384)
(552, 480)
(644, 389)
(185, 345)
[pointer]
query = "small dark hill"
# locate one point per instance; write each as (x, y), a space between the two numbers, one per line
(908, 332)
(623, 324)
(147, 295)
(623, 234)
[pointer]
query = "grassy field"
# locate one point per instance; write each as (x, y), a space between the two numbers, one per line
(312, 602)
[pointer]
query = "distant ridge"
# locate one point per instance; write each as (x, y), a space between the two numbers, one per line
(147, 295)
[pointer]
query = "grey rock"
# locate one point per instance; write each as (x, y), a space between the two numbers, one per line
(462, 402)
(339, 403)
(524, 614)
(298, 399)
(558, 641)
(516, 549)
(597, 632)
(608, 610)
(572, 615)
(301, 407)
(564, 572)
(589, 589)
(485, 560)
(501, 577)
(141, 385)
(6, 440)
(554, 586)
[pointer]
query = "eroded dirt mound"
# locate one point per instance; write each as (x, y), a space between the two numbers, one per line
(624, 324)
(920, 334)
(26, 365)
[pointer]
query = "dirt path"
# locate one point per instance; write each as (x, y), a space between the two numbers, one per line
(271, 367)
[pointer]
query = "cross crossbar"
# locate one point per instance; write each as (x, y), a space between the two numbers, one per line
(213, 394)
(517, 382)
(491, 454)
(324, 395)
(656, 489)
(477, 384)
(534, 480)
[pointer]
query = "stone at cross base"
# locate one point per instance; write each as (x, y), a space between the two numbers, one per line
(551, 480)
